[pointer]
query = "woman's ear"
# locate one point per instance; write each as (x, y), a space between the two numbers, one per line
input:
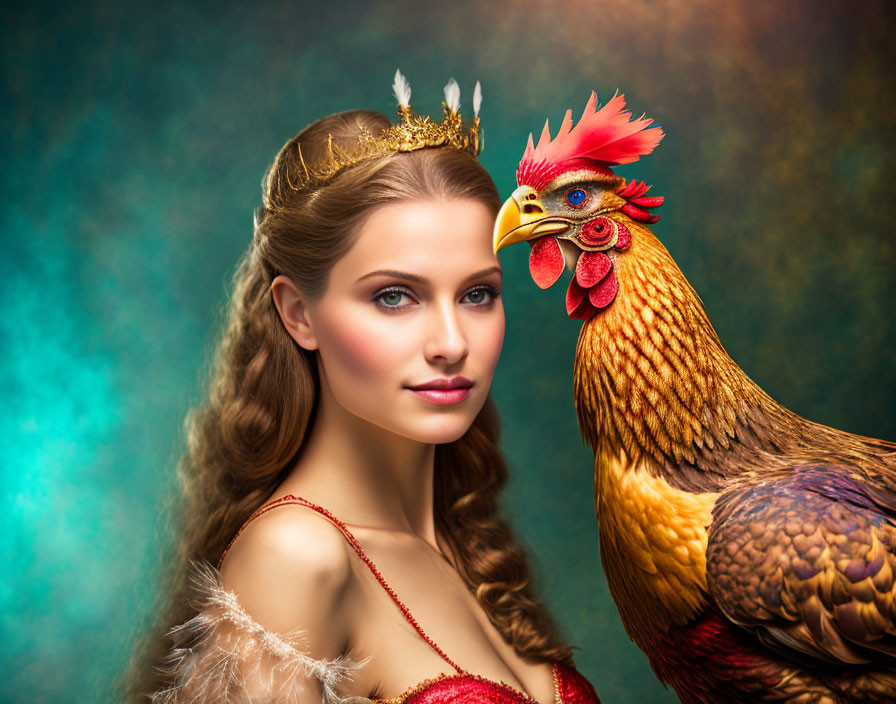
(292, 307)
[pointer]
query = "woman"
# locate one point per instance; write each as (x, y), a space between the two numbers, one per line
(352, 383)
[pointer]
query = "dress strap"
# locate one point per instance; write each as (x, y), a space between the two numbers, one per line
(291, 499)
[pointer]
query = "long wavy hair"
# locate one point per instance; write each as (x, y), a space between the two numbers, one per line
(243, 440)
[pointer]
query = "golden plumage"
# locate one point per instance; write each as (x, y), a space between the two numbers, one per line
(683, 439)
(751, 552)
(655, 560)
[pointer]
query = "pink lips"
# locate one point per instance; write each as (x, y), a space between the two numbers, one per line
(444, 392)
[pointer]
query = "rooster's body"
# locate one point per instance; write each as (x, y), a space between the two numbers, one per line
(751, 553)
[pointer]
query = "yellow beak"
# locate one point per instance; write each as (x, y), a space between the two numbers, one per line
(522, 217)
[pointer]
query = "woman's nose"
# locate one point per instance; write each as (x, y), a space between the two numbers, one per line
(446, 340)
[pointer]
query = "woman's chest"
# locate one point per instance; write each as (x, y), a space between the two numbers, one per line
(436, 624)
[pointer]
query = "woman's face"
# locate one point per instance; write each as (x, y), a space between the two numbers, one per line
(411, 324)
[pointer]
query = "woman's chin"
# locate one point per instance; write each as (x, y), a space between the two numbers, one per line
(437, 429)
(439, 433)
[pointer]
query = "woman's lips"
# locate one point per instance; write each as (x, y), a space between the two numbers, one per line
(444, 392)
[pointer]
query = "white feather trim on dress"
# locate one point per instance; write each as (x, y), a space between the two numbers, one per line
(223, 655)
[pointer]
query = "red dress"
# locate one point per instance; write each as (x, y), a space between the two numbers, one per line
(461, 687)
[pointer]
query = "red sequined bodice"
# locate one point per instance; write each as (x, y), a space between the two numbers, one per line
(461, 687)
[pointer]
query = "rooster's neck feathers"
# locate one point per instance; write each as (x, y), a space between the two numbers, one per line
(653, 380)
(652, 367)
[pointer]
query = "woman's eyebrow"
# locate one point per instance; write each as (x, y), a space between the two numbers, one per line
(486, 272)
(393, 273)
(405, 276)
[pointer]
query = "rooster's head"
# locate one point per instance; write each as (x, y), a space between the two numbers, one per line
(573, 210)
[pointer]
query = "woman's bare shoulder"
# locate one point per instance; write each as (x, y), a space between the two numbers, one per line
(272, 622)
(290, 568)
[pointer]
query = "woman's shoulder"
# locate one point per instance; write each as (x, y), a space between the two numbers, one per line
(271, 621)
(224, 654)
(287, 562)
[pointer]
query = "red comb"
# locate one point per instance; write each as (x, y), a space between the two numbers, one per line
(607, 136)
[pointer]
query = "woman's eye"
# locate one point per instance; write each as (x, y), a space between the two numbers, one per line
(576, 197)
(481, 296)
(393, 298)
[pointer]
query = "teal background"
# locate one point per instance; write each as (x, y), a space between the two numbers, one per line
(135, 138)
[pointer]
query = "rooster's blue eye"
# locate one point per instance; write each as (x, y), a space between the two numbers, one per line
(576, 196)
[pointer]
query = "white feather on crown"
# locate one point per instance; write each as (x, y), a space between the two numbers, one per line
(402, 89)
(412, 132)
(452, 95)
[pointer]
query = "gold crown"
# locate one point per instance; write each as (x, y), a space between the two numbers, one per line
(412, 133)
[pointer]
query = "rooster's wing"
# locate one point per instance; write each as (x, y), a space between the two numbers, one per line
(807, 561)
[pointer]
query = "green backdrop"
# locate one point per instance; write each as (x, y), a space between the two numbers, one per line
(135, 140)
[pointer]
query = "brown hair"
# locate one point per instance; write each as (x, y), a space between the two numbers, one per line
(243, 440)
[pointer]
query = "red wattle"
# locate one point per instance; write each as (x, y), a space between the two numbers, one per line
(583, 311)
(545, 261)
(584, 304)
(603, 294)
(591, 268)
(575, 294)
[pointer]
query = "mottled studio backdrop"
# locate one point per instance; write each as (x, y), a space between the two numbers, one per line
(134, 141)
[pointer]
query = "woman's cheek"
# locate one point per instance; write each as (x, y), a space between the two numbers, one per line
(363, 345)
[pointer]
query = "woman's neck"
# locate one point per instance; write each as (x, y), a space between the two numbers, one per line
(365, 474)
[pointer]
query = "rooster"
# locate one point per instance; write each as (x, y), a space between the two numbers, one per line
(751, 553)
